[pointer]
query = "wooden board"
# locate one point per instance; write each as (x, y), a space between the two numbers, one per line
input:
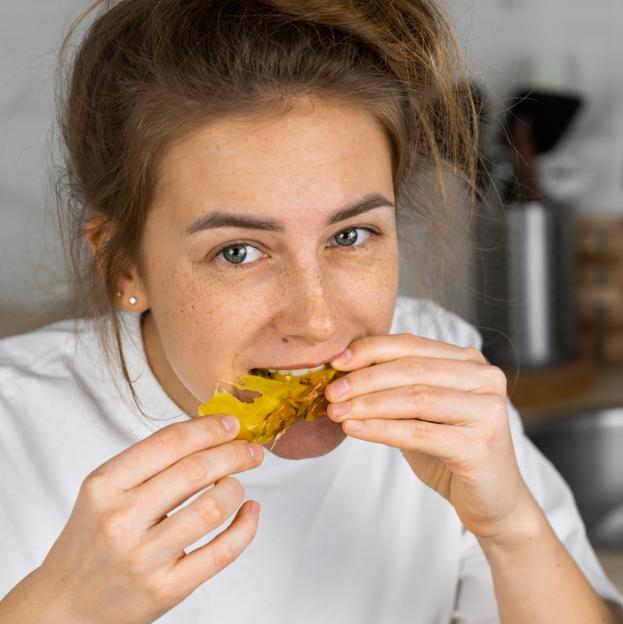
(549, 387)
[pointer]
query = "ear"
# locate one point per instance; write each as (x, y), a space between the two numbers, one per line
(129, 287)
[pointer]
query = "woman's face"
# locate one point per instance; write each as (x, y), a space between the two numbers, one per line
(252, 259)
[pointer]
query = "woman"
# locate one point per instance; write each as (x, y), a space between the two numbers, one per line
(236, 169)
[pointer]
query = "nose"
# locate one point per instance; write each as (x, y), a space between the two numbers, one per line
(307, 310)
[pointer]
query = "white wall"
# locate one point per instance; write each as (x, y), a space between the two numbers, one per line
(499, 37)
(508, 41)
(32, 289)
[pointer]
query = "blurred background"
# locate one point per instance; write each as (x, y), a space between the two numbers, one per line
(538, 269)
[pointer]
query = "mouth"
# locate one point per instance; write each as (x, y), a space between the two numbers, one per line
(270, 373)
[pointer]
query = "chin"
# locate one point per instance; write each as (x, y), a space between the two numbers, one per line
(308, 439)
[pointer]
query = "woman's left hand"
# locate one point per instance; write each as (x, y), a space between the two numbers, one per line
(445, 408)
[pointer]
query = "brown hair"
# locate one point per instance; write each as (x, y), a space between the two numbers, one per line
(147, 72)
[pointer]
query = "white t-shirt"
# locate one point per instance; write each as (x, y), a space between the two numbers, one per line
(352, 537)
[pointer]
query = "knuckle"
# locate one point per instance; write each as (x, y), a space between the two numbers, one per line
(226, 552)
(208, 510)
(486, 441)
(415, 367)
(161, 592)
(419, 430)
(381, 427)
(93, 488)
(497, 378)
(214, 430)
(421, 394)
(192, 470)
(113, 525)
(362, 378)
(235, 486)
(170, 438)
(474, 355)
(367, 402)
(409, 341)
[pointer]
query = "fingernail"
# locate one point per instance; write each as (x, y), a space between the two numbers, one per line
(339, 387)
(342, 358)
(254, 508)
(255, 451)
(354, 425)
(230, 423)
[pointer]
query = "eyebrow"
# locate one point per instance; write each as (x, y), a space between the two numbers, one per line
(216, 220)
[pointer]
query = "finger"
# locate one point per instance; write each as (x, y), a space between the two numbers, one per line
(165, 447)
(375, 349)
(171, 487)
(434, 404)
(206, 561)
(176, 532)
(463, 375)
(437, 440)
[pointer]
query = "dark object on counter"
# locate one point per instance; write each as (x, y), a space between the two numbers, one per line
(527, 314)
(526, 260)
(551, 114)
(586, 446)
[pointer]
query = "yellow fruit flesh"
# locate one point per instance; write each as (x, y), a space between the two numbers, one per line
(284, 400)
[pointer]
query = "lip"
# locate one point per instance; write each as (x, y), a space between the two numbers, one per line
(299, 365)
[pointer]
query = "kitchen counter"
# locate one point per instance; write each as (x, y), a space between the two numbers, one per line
(605, 388)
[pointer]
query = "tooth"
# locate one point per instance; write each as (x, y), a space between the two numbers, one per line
(297, 372)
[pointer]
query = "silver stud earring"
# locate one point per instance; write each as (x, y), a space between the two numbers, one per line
(132, 300)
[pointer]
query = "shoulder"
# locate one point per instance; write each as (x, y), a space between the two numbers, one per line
(423, 317)
(37, 350)
(45, 357)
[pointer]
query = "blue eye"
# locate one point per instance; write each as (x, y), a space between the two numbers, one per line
(348, 238)
(238, 256)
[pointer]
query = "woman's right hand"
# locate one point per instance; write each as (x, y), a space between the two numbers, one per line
(121, 558)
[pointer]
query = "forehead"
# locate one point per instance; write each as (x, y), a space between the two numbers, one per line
(320, 153)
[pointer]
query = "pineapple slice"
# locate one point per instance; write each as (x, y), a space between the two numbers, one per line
(284, 400)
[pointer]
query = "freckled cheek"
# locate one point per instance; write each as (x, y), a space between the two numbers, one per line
(204, 326)
(376, 287)
(383, 263)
